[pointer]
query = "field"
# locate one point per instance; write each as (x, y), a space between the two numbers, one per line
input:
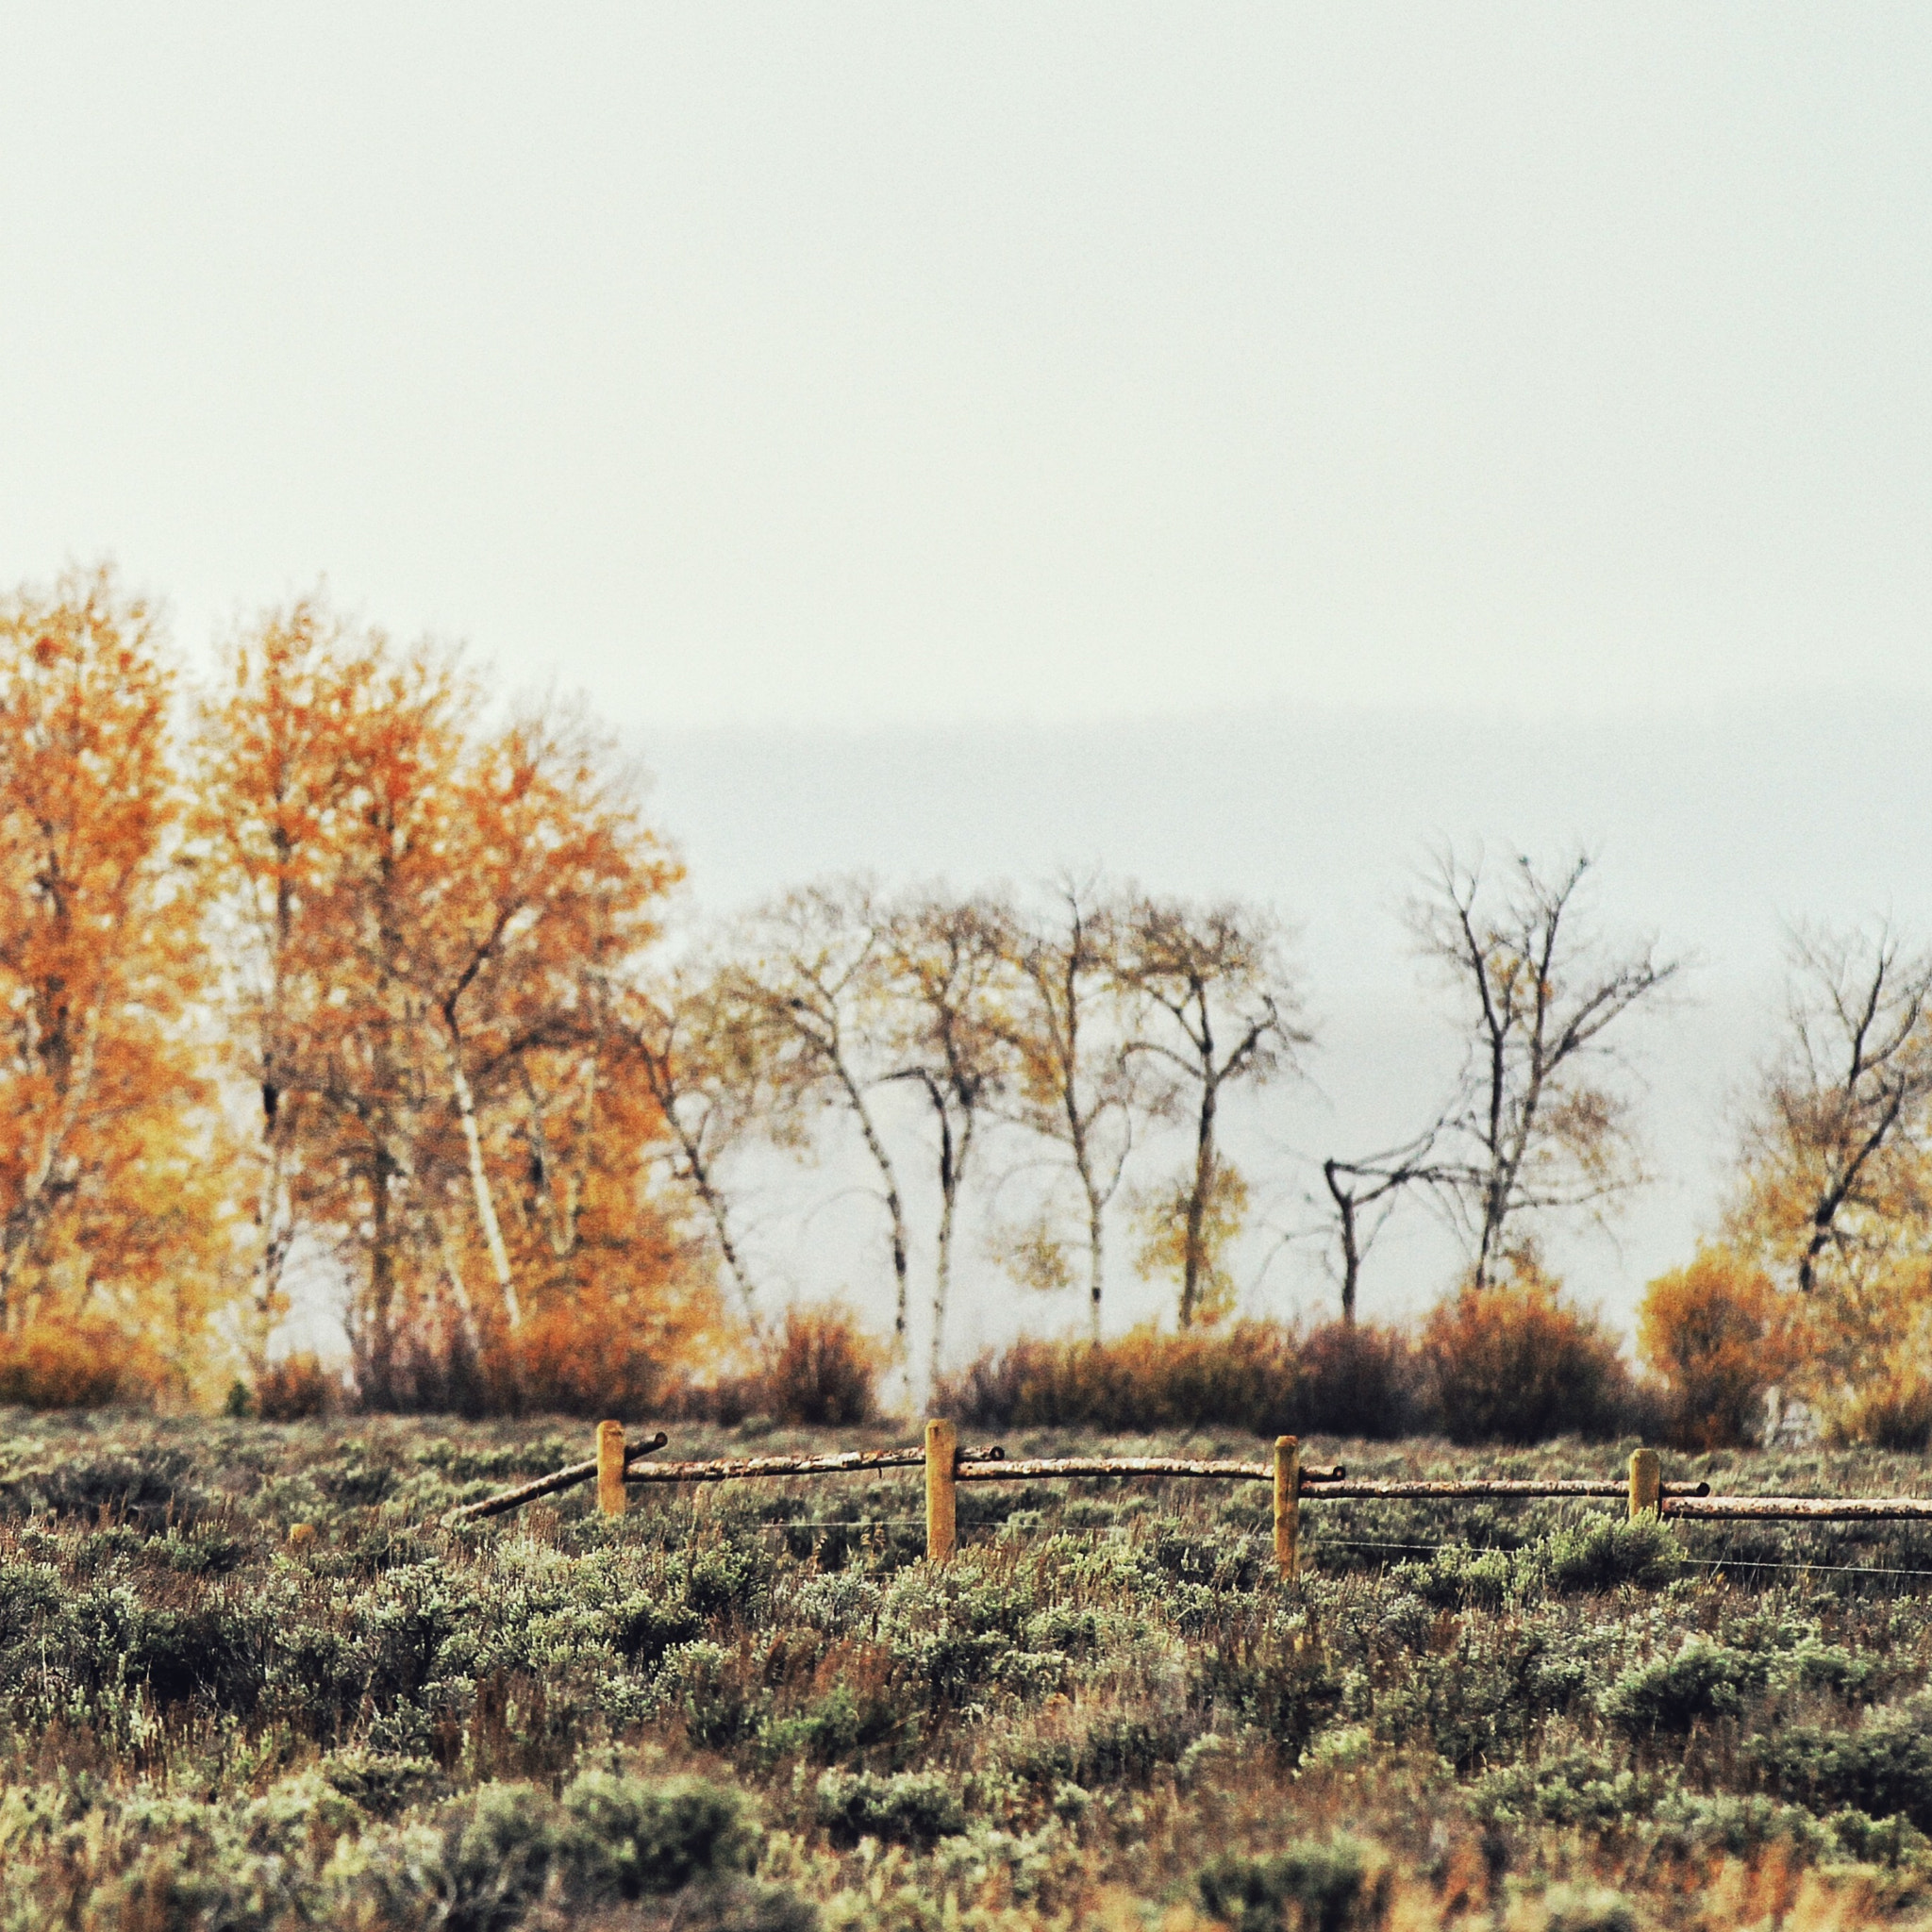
(747, 1707)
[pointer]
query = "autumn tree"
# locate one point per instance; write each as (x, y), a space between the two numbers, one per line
(113, 1214)
(1074, 1018)
(438, 915)
(1836, 1153)
(276, 770)
(1540, 1120)
(1218, 985)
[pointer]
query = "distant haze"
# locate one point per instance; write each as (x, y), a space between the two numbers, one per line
(1715, 826)
(1236, 446)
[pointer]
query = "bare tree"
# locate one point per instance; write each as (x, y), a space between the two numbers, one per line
(812, 969)
(1364, 1194)
(1837, 1149)
(947, 969)
(1536, 1123)
(698, 1048)
(1215, 978)
(1079, 1084)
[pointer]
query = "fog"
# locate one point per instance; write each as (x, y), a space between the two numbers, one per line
(1715, 829)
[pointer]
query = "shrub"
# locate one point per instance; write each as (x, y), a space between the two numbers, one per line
(294, 1389)
(69, 1367)
(1335, 1887)
(1669, 1694)
(1605, 1552)
(1245, 1376)
(585, 1358)
(1356, 1381)
(1718, 1334)
(630, 1838)
(1513, 1363)
(823, 1370)
(1883, 1768)
(1586, 1908)
(1893, 1410)
(497, 1854)
(149, 1488)
(913, 1809)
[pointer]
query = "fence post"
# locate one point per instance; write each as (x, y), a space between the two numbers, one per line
(1287, 1506)
(941, 1455)
(1647, 1483)
(611, 1468)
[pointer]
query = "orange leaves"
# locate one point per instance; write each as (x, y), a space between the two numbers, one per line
(434, 915)
(108, 1214)
(1719, 1335)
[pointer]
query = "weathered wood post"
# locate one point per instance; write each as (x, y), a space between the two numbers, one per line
(1647, 1483)
(942, 1458)
(611, 1468)
(1287, 1506)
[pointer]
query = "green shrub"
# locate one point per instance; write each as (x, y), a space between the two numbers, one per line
(1586, 1908)
(497, 1849)
(1671, 1694)
(911, 1808)
(149, 1488)
(629, 1839)
(1609, 1551)
(1882, 1767)
(1342, 1885)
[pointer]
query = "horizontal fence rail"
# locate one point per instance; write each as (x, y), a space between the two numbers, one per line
(1799, 1508)
(1049, 1467)
(853, 1462)
(1402, 1487)
(946, 1465)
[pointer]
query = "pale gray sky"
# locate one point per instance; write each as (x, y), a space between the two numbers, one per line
(873, 363)
(1234, 444)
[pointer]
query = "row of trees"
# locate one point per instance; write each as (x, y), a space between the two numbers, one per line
(1092, 1018)
(341, 960)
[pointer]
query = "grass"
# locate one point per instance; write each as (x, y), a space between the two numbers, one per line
(754, 1706)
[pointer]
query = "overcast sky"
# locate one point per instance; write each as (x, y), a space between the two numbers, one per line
(1238, 445)
(862, 364)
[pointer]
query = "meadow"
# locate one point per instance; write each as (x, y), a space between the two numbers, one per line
(756, 1706)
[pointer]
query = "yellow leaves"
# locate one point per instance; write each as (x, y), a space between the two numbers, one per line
(435, 916)
(1034, 1253)
(1167, 1233)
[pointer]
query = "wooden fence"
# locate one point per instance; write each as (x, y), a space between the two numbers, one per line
(1292, 1483)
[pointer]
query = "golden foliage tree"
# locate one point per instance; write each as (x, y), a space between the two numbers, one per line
(113, 1217)
(439, 918)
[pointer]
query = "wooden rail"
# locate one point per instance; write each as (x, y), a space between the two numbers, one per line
(946, 1465)
(562, 1478)
(1402, 1488)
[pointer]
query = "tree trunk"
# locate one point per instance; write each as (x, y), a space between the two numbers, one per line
(1192, 1256)
(1095, 1262)
(479, 1184)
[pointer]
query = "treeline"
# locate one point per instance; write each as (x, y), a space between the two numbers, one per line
(340, 966)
